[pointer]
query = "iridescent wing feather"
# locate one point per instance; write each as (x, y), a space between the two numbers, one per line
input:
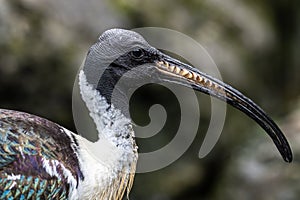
(37, 158)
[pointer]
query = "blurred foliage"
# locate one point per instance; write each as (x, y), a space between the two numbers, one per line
(28, 63)
(254, 43)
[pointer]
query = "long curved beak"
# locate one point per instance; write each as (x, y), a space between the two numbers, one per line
(181, 73)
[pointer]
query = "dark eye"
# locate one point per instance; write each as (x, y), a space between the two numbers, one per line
(137, 54)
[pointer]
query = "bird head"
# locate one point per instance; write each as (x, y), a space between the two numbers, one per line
(119, 51)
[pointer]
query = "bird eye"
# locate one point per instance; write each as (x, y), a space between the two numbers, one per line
(137, 54)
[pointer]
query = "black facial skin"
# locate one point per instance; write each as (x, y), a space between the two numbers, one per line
(123, 64)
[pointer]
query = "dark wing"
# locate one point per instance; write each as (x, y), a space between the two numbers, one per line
(37, 158)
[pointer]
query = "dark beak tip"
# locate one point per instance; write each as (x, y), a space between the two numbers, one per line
(286, 154)
(288, 157)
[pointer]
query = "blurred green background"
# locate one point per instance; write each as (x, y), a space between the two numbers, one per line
(255, 44)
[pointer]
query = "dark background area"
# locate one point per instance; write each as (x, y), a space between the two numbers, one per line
(255, 44)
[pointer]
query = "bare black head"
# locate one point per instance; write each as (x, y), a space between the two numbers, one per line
(116, 53)
(119, 51)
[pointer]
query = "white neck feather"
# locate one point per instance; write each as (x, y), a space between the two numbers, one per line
(110, 122)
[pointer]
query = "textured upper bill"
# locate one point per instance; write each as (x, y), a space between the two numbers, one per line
(186, 75)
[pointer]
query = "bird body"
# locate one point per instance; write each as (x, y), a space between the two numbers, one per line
(40, 159)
